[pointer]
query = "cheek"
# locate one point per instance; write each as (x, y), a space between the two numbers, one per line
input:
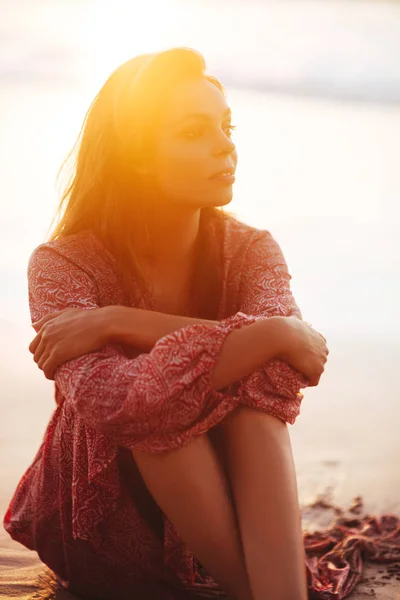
(179, 167)
(235, 157)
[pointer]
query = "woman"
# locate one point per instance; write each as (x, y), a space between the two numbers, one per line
(178, 354)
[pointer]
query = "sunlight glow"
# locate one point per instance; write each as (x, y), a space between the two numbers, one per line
(120, 30)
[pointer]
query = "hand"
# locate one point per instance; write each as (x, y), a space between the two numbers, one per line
(304, 348)
(67, 334)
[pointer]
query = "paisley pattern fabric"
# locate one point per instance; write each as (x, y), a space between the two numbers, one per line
(82, 504)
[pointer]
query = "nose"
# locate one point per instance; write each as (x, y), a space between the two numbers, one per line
(224, 145)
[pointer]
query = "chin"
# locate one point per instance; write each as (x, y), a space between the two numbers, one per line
(225, 202)
(220, 199)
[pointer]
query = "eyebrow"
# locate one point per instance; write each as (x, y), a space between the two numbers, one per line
(203, 116)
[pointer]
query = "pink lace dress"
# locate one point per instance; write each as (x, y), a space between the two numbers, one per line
(82, 504)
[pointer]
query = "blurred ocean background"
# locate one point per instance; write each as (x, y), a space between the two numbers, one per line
(315, 92)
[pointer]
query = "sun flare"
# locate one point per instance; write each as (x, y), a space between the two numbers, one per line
(120, 30)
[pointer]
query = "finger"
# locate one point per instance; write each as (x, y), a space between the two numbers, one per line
(37, 325)
(49, 366)
(42, 360)
(39, 350)
(315, 381)
(49, 375)
(34, 343)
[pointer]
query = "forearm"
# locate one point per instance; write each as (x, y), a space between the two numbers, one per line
(245, 350)
(143, 328)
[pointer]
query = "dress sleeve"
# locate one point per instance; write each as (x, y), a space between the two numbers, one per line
(265, 286)
(265, 292)
(154, 402)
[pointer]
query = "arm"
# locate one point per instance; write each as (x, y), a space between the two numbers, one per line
(265, 292)
(246, 359)
(143, 328)
(265, 286)
(243, 351)
(246, 350)
(154, 402)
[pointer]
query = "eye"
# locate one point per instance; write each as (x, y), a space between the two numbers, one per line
(229, 129)
(193, 133)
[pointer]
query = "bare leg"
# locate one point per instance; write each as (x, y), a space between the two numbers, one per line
(261, 471)
(191, 488)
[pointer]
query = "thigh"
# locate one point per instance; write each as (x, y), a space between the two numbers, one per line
(262, 476)
(191, 488)
(219, 434)
(248, 440)
(247, 420)
(218, 437)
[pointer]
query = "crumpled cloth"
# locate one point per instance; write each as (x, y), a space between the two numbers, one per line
(335, 556)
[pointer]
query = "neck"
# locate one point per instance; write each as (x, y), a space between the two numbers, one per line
(173, 236)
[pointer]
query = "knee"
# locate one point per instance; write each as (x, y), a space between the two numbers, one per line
(246, 414)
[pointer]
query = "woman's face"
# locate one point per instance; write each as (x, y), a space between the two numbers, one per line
(193, 145)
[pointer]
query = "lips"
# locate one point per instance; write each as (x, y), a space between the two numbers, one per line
(228, 172)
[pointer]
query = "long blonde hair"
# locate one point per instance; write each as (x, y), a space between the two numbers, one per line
(102, 192)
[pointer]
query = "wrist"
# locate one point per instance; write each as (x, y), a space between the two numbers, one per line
(110, 324)
(278, 333)
(130, 326)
